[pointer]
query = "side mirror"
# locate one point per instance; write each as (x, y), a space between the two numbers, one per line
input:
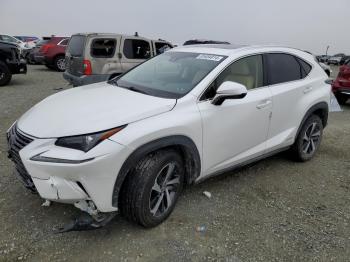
(229, 90)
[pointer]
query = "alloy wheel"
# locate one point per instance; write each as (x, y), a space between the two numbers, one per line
(311, 138)
(61, 64)
(164, 190)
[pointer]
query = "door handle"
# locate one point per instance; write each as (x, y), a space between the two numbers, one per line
(264, 104)
(307, 89)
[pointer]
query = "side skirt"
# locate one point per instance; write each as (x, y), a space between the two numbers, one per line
(240, 165)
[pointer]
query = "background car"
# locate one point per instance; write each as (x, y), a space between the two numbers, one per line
(52, 53)
(341, 85)
(323, 58)
(30, 40)
(10, 62)
(35, 51)
(344, 59)
(204, 42)
(96, 57)
(335, 60)
(24, 47)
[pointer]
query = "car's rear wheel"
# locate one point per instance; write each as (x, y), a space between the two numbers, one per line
(341, 99)
(308, 140)
(5, 74)
(151, 190)
(60, 63)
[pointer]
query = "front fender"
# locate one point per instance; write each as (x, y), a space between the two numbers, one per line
(185, 144)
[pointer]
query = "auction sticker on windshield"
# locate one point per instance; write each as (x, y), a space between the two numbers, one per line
(210, 57)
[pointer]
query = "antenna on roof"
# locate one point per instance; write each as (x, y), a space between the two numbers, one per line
(136, 34)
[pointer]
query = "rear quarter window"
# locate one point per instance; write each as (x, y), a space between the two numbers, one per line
(103, 47)
(305, 67)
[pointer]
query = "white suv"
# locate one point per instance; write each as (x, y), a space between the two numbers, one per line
(132, 143)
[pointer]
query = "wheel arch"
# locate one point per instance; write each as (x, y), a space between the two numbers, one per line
(183, 144)
(320, 109)
(58, 55)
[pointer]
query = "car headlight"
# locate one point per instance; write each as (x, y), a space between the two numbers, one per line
(86, 142)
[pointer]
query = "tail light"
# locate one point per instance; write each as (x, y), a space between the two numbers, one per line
(45, 48)
(87, 67)
(344, 72)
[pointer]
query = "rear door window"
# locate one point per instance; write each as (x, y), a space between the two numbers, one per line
(76, 45)
(103, 47)
(283, 68)
(136, 49)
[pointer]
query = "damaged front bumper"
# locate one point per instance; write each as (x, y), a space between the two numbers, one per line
(85, 180)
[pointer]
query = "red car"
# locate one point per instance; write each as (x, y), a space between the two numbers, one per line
(52, 53)
(341, 86)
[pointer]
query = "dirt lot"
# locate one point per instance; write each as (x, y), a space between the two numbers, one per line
(275, 210)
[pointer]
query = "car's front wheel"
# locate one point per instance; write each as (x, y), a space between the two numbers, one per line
(150, 192)
(308, 140)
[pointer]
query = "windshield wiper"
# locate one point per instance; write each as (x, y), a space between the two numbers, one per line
(135, 89)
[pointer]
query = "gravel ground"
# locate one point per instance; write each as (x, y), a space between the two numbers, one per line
(274, 210)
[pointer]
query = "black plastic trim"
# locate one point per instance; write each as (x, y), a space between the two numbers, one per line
(221, 98)
(319, 106)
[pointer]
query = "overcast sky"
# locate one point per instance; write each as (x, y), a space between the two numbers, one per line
(305, 24)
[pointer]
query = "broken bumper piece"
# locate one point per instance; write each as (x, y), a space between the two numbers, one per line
(59, 190)
(87, 222)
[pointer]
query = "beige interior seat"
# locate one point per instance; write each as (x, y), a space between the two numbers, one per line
(240, 73)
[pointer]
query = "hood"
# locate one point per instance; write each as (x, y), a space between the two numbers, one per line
(90, 109)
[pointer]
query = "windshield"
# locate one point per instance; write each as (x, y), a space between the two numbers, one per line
(169, 75)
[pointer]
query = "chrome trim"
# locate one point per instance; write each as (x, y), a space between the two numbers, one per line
(59, 43)
(45, 159)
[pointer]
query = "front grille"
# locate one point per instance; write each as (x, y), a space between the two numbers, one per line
(16, 142)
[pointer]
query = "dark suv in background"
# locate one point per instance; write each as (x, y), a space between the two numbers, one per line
(52, 53)
(10, 62)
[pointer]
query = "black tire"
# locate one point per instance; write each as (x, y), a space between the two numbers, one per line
(59, 63)
(5, 74)
(138, 193)
(307, 142)
(341, 99)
